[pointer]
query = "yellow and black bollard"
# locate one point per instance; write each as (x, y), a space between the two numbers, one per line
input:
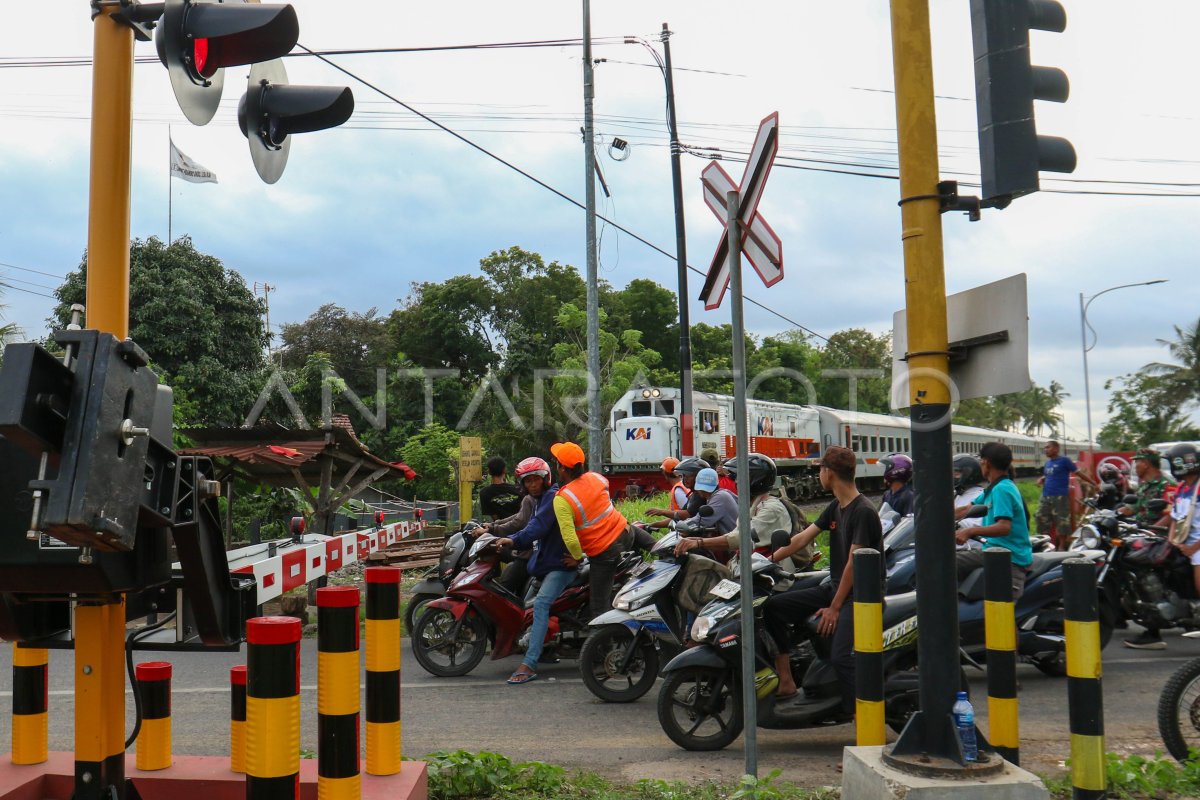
(1000, 636)
(383, 670)
(1084, 699)
(868, 648)
(154, 736)
(237, 718)
(30, 704)
(337, 694)
(273, 708)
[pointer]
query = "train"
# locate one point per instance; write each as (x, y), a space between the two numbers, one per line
(644, 429)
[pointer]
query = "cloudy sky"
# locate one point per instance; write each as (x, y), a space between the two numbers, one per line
(388, 199)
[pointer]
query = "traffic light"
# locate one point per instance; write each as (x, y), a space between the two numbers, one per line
(1006, 83)
(271, 111)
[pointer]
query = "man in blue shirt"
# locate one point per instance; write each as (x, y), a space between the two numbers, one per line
(1054, 510)
(723, 503)
(1006, 523)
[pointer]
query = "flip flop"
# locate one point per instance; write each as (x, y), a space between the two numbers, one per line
(786, 696)
(519, 678)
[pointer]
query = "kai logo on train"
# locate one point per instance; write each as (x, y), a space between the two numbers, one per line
(634, 434)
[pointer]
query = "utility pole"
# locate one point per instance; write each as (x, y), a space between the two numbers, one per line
(266, 290)
(686, 422)
(930, 733)
(595, 426)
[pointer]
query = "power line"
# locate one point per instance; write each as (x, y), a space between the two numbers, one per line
(27, 291)
(34, 271)
(538, 181)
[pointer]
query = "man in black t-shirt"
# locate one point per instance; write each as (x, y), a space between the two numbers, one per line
(852, 523)
(499, 499)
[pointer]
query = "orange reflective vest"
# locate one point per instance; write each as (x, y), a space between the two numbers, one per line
(675, 493)
(597, 521)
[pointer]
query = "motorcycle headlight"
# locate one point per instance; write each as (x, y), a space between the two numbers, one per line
(622, 605)
(702, 627)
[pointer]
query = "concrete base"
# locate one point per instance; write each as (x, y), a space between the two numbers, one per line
(193, 778)
(866, 777)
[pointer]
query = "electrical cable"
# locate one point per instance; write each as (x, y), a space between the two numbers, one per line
(541, 183)
(133, 637)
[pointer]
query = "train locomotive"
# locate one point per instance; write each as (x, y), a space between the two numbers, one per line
(644, 429)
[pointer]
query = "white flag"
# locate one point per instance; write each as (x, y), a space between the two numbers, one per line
(188, 169)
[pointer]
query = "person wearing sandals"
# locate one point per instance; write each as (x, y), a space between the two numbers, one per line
(550, 561)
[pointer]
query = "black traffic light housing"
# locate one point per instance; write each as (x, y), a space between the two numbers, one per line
(1011, 152)
(271, 111)
(197, 39)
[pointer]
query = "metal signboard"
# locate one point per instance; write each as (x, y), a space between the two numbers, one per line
(470, 459)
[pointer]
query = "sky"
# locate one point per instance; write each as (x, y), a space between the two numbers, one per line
(388, 199)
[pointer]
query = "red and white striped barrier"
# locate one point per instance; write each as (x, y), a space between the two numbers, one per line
(295, 564)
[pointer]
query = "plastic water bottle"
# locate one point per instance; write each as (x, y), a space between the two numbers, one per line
(964, 723)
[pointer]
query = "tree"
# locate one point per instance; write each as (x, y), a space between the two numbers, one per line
(1141, 411)
(198, 321)
(445, 326)
(431, 452)
(356, 343)
(856, 349)
(1182, 379)
(8, 330)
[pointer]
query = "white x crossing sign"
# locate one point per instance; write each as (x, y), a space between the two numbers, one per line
(759, 242)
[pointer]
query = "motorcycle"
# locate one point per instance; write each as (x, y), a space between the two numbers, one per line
(451, 561)
(452, 633)
(700, 701)
(1179, 709)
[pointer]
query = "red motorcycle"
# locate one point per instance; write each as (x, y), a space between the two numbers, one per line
(452, 633)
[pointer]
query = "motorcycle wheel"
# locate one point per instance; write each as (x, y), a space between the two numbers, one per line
(415, 606)
(1179, 711)
(441, 657)
(600, 659)
(682, 703)
(898, 711)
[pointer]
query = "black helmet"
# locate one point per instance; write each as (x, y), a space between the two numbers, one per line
(1184, 458)
(763, 473)
(1109, 473)
(969, 472)
(690, 466)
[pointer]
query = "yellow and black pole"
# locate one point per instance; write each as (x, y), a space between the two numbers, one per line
(868, 649)
(273, 708)
(383, 670)
(337, 694)
(30, 704)
(99, 628)
(1000, 637)
(154, 737)
(1085, 701)
(930, 733)
(237, 718)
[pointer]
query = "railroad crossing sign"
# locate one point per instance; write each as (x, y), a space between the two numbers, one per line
(759, 242)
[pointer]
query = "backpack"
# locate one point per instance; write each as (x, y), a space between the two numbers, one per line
(804, 555)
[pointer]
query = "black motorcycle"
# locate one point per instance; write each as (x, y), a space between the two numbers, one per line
(1179, 709)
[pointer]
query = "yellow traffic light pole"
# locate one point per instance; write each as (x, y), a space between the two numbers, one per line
(929, 740)
(99, 625)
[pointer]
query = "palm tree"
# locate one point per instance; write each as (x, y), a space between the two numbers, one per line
(7, 331)
(1182, 378)
(1037, 409)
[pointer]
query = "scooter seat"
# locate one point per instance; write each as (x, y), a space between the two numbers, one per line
(897, 607)
(1044, 562)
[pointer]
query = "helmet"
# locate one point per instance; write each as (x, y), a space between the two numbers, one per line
(969, 472)
(1109, 473)
(1184, 458)
(532, 466)
(897, 467)
(762, 473)
(690, 466)
(669, 464)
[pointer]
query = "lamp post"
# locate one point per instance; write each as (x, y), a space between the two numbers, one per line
(1084, 327)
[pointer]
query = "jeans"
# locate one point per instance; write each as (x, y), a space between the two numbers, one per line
(795, 608)
(553, 585)
(602, 571)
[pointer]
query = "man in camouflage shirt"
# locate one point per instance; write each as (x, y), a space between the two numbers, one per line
(1152, 485)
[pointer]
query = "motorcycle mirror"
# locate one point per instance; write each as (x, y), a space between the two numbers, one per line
(780, 539)
(977, 511)
(1157, 507)
(1129, 499)
(706, 511)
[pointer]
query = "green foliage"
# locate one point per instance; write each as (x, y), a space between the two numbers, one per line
(634, 509)
(1035, 410)
(460, 774)
(431, 451)
(197, 320)
(355, 343)
(1138, 777)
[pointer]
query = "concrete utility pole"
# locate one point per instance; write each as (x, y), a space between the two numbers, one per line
(595, 424)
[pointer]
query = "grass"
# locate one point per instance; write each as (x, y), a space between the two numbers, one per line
(634, 509)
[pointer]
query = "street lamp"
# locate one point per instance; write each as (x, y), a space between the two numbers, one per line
(1084, 327)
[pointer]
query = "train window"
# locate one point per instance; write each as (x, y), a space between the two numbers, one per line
(874, 444)
(854, 443)
(642, 408)
(619, 415)
(666, 408)
(709, 422)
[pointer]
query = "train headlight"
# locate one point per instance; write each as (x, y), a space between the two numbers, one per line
(646, 393)
(656, 393)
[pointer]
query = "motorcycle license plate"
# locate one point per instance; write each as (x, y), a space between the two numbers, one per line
(726, 589)
(640, 570)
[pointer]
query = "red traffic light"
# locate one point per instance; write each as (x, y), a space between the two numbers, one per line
(196, 39)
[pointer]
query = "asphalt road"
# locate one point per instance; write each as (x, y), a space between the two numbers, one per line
(555, 719)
